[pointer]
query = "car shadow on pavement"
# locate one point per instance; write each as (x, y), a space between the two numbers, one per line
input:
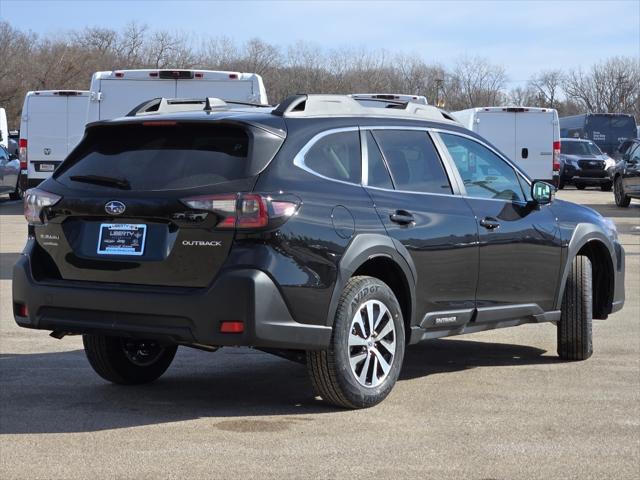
(58, 392)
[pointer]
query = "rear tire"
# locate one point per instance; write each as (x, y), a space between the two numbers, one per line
(127, 361)
(580, 186)
(575, 340)
(363, 362)
(622, 200)
(560, 184)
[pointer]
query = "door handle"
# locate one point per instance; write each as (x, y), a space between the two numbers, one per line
(525, 153)
(490, 223)
(402, 217)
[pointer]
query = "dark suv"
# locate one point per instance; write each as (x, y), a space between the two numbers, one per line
(320, 230)
(626, 173)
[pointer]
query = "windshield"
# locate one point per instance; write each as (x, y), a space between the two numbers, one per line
(153, 157)
(579, 148)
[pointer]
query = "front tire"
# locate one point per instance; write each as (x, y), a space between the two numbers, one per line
(127, 361)
(622, 200)
(575, 336)
(363, 362)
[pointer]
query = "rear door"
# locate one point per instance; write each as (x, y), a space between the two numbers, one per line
(499, 127)
(534, 143)
(76, 119)
(227, 89)
(47, 139)
(124, 215)
(418, 209)
(120, 96)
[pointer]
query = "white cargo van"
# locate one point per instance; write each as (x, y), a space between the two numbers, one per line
(4, 129)
(51, 125)
(116, 93)
(529, 136)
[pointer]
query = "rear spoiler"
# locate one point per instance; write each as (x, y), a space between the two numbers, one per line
(173, 105)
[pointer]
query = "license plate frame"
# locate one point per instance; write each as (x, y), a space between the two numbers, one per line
(114, 239)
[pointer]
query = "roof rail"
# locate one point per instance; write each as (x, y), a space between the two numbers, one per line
(312, 105)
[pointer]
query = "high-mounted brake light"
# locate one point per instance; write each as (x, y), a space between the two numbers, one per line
(22, 153)
(35, 201)
(246, 211)
(159, 123)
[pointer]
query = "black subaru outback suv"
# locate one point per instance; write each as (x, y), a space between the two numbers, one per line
(321, 230)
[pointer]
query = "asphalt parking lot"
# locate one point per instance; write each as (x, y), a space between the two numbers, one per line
(496, 405)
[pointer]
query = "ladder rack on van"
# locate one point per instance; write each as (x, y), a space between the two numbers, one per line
(312, 105)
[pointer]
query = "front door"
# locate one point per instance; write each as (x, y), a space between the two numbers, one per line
(519, 241)
(418, 209)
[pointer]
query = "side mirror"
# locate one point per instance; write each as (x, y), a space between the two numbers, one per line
(542, 192)
(13, 156)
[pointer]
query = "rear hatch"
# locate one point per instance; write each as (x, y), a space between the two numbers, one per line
(124, 215)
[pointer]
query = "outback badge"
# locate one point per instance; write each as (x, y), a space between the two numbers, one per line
(114, 207)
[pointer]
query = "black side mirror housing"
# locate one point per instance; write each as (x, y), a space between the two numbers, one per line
(13, 156)
(542, 192)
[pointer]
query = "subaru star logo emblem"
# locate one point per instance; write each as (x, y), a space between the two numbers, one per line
(114, 207)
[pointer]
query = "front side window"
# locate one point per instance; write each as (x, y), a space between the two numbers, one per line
(336, 156)
(413, 161)
(485, 174)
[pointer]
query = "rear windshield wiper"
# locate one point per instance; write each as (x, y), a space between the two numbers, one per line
(120, 183)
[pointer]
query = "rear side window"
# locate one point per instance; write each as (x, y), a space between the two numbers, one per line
(161, 157)
(337, 156)
(413, 161)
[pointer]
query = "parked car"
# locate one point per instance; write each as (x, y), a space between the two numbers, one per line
(626, 177)
(583, 164)
(51, 125)
(529, 136)
(115, 93)
(9, 174)
(321, 230)
(624, 148)
(606, 130)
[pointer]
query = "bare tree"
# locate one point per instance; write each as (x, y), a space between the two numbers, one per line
(609, 86)
(548, 85)
(474, 82)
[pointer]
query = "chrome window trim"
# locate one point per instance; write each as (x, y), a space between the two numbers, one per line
(298, 160)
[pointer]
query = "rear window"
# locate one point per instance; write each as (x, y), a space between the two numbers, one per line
(164, 157)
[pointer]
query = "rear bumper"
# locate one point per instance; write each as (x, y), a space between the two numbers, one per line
(183, 316)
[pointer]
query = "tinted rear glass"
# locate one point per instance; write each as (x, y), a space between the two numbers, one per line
(161, 157)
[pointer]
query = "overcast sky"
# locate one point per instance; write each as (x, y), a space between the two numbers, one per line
(524, 36)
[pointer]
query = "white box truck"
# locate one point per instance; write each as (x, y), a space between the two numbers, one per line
(116, 93)
(4, 129)
(51, 125)
(529, 136)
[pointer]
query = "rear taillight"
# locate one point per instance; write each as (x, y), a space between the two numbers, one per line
(556, 156)
(247, 211)
(22, 153)
(35, 200)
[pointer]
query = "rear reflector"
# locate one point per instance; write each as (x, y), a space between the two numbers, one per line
(21, 310)
(231, 327)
